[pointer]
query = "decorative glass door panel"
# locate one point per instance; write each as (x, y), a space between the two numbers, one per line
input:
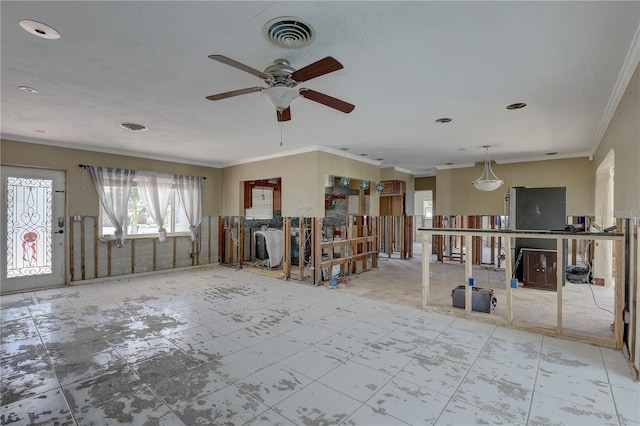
(33, 228)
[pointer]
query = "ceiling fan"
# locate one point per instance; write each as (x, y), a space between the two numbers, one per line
(281, 79)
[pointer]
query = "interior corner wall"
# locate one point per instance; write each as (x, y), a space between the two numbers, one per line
(623, 136)
(456, 195)
(82, 198)
(341, 166)
(302, 192)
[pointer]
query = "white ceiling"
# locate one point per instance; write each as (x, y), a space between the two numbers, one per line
(406, 64)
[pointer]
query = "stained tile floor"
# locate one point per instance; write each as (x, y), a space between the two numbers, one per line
(218, 346)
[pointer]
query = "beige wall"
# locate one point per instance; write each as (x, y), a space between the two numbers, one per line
(458, 196)
(302, 181)
(300, 184)
(623, 136)
(82, 198)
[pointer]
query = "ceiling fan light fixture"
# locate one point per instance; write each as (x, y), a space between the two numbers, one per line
(380, 187)
(488, 181)
(280, 96)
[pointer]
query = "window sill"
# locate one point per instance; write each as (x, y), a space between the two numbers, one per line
(107, 238)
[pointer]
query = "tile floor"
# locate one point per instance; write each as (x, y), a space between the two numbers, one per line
(218, 346)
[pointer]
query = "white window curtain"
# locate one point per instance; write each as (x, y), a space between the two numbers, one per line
(155, 190)
(113, 186)
(190, 193)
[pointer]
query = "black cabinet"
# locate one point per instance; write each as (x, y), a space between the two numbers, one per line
(540, 268)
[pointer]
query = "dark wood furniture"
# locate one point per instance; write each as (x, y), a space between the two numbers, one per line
(540, 268)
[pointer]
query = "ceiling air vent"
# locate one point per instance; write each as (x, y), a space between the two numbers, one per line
(289, 32)
(133, 127)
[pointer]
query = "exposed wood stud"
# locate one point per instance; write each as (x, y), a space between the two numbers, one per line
(109, 244)
(133, 256)
(82, 250)
(175, 243)
(71, 249)
(240, 241)
(301, 247)
(559, 282)
(95, 246)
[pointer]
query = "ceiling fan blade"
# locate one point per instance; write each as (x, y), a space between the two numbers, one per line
(316, 69)
(284, 115)
(240, 66)
(233, 93)
(327, 100)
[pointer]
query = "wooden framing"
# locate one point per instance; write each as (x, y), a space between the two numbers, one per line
(561, 239)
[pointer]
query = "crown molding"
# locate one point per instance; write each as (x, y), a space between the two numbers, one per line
(628, 68)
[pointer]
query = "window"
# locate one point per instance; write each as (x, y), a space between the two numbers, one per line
(140, 223)
(261, 203)
(129, 199)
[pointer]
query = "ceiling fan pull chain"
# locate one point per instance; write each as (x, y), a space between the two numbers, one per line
(281, 133)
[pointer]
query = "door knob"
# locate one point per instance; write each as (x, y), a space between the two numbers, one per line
(61, 232)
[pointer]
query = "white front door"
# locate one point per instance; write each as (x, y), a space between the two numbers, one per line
(33, 225)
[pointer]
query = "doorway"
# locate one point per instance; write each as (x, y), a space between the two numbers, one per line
(33, 223)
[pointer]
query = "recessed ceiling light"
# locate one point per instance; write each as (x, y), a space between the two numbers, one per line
(28, 89)
(551, 153)
(444, 120)
(517, 105)
(39, 29)
(134, 127)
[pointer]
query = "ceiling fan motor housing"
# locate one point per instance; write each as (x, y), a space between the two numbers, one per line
(280, 72)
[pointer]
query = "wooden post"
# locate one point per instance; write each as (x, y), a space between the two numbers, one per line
(82, 249)
(229, 241)
(317, 252)
(559, 282)
(174, 251)
(374, 248)
(155, 254)
(109, 244)
(209, 237)
(95, 246)
(133, 256)
(468, 268)
(71, 249)
(241, 241)
(492, 241)
(426, 254)
(391, 221)
(221, 240)
(508, 272)
(301, 247)
(286, 263)
(618, 327)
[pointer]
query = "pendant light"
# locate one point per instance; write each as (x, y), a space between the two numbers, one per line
(364, 184)
(488, 181)
(345, 181)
